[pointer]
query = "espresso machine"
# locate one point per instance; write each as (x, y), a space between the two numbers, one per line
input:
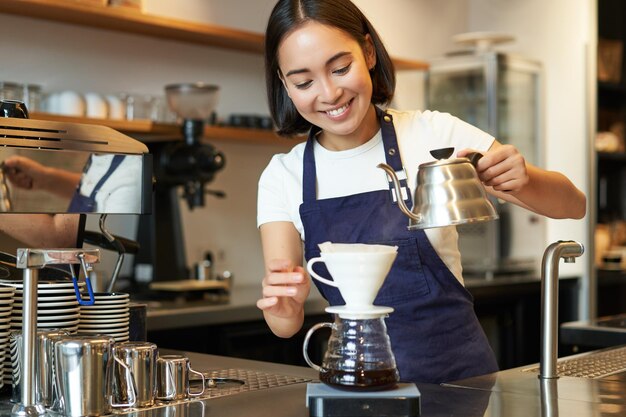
(186, 165)
(67, 144)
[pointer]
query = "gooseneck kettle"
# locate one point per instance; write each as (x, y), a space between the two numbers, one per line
(448, 192)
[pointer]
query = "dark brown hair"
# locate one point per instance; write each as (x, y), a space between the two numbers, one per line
(287, 16)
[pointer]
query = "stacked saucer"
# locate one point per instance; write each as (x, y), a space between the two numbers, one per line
(108, 316)
(57, 308)
(6, 304)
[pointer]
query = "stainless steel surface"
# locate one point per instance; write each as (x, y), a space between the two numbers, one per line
(275, 390)
(567, 250)
(173, 378)
(39, 258)
(598, 333)
(141, 358)
(31, 260)
(84, 370)
(596, 366)
(29, 406)
(44, 379)
(74, 152)
(448, 192)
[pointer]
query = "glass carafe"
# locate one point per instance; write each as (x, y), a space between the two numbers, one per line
(358, 356)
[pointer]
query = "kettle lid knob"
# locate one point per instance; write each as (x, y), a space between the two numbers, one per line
(442, 153)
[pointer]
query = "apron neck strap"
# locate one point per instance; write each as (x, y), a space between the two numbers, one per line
(392, 157)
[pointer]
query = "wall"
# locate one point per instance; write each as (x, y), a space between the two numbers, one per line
(93, 60)
(60, 56)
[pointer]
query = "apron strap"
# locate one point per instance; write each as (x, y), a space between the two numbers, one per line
(115, 162)
(392, 157)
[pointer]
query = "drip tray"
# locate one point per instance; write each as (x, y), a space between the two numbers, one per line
(223, 382)
(594, 365)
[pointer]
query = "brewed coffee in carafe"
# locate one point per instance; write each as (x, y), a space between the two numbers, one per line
(359, 355)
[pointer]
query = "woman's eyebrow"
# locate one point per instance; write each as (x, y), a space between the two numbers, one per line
(328, 61)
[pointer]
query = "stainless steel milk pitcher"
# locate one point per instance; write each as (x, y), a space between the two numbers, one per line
(84, 374)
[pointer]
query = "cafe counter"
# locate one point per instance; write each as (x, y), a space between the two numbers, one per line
(274, 390)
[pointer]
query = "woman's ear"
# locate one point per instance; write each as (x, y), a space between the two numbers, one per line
(370, 52)
(282, 80)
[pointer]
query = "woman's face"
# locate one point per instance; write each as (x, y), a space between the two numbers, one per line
(326, 74)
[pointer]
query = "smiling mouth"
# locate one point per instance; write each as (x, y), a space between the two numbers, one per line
(340, 110)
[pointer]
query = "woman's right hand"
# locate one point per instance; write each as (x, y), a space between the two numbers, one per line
(285, 289)
(25, 173)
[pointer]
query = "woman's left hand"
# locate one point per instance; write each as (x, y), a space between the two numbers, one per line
(502, 167)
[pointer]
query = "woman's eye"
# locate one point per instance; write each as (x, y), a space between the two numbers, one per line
(342, 70)
(304, 85)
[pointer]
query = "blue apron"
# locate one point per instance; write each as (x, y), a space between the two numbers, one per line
(87, 204)
(435, 334)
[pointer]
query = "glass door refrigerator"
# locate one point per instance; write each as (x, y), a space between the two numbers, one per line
(500, 94)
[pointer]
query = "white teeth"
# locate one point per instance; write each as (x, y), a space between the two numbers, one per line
(337, 112)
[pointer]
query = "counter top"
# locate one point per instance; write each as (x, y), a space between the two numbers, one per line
(599, 332)
(504, 394)
(241, 305)
(509, 393)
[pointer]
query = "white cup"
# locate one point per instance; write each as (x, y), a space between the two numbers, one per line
(117, 110)
(67, 103)
(358, 271)
(97, 106)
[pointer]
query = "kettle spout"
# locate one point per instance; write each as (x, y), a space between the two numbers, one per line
(416, 217)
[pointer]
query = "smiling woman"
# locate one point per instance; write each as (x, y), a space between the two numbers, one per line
(330, 89)
(327, 73)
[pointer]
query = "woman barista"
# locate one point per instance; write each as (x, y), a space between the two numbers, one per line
(326, 72)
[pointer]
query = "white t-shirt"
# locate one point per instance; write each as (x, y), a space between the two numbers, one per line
(120, 192)
(343, 173)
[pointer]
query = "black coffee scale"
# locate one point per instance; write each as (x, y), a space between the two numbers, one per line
(323, 400)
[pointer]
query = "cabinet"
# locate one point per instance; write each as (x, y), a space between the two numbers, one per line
(131, 21)
(610, 155)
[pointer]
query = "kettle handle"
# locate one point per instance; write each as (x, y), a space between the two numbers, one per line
(474, 157)
(309, 267)
(305, 346)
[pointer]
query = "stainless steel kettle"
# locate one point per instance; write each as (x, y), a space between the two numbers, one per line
(448, 192)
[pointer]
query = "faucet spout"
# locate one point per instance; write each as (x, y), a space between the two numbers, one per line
(569, 250)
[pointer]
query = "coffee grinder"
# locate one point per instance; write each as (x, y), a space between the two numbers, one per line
(189, 164)
(358, 371)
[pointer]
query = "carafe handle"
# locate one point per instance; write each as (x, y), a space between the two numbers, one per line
(196, 394)
(305, 345)
(132, 393)
(309, 267)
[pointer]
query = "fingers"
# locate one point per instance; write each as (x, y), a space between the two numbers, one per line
(280, 265)
(503, 168)
(265, 303)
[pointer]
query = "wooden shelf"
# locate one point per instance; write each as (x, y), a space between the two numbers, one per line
(125, 20)
(148, 131)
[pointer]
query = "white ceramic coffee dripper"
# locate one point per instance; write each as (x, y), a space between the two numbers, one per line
(358, 271)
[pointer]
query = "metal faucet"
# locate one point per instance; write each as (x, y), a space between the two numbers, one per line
(32, 260)
(569, 250)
